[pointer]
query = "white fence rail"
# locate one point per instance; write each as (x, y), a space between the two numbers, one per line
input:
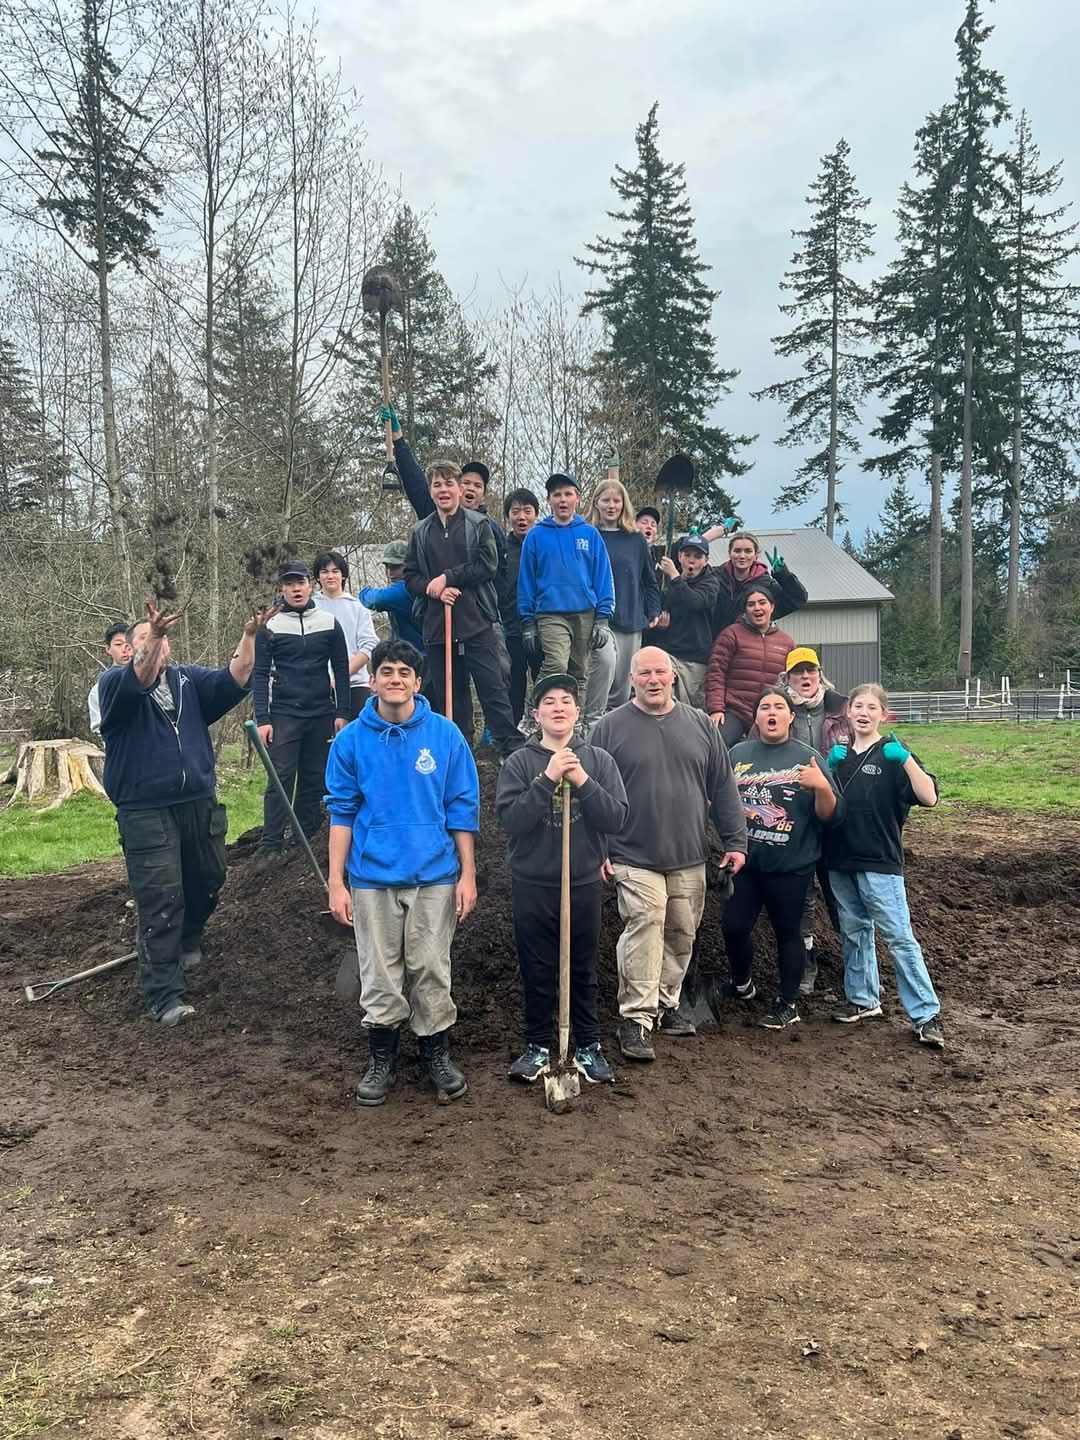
(976, 702)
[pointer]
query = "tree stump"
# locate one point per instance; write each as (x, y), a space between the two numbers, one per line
(57, 769)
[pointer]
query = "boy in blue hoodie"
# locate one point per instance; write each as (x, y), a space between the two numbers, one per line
(566, 594)
(404, 804)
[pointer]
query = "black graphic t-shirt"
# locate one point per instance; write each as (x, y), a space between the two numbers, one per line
(877, 797)
(783, 831)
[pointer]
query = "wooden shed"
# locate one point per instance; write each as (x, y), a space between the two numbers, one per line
(842, 617)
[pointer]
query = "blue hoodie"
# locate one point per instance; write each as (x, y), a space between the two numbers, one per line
(152, 760)
(564, 569)
(402, 789)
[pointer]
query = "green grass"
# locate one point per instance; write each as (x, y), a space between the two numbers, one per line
(41, 842)
(1001, 766)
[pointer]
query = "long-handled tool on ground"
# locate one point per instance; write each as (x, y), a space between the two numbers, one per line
(562, 1084)
(381, 292)
(676, 477)
(44, 988)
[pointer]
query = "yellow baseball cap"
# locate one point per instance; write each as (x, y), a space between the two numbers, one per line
(802, 655)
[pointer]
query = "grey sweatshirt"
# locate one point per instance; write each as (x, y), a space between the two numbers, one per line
(677, 774)
(529, 808)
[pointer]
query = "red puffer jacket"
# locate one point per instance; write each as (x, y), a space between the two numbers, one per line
(742, 663)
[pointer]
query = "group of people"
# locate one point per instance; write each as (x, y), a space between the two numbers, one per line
(663, 696)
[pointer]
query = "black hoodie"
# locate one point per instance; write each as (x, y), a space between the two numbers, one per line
(529, 807)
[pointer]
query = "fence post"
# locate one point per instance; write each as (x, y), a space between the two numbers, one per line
(967, 697)
(1061, 702)
(978, 692)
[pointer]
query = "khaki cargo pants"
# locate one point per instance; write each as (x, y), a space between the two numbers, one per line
(662, 911)
(403, 941)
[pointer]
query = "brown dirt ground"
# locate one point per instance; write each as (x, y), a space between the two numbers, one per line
(820, 1234)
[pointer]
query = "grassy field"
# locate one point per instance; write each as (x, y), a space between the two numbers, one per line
(993, 766)
(39, 841)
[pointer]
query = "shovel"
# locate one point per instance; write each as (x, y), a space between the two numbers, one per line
(380, 292)
(562, 1084)
(676, 477)
(44, 988)
(700, 1000)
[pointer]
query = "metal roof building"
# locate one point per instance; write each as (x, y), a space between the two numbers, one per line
(842, 616)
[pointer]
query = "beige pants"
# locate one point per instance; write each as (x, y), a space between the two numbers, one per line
(690, 675)
(662, 912)
(564, 640)
(403, 953)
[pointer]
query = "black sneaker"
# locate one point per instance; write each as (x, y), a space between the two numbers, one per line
(742, 993)
(530, 1065)
(780, 1016)
(850, 1014)
(674, 1022)
(931, 1033)
(590, 1061)
(634, 1041)
(264, 857)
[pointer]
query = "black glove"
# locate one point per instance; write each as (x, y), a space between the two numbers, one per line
(530, 638)
(601, 632)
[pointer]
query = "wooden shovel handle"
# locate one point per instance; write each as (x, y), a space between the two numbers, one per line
(448, 661)
(564, 930)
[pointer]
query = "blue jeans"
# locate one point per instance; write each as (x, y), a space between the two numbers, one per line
(864, 900)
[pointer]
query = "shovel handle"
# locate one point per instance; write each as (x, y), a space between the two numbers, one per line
(564, 930)
(384, 368)
(448, 661)
(275, 780)
(44, 988)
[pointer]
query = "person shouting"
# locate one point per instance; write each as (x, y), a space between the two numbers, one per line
(332, 572)
(450, 565)
(745, 564)
(160, 775)
(880, 780)
(745, 658)
(788, 797)
(677, 775)
(566, 594)
(686, 626)
(637, 598)
(298, 709)
(529, 800)
(404, 803)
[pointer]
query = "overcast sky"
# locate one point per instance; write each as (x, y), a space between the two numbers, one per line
(504, 118)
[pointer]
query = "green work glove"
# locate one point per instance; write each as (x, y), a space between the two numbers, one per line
(775, 559)
(836, 756)
(731, 523)
(387, 412)
(601, 632)
(894, 750)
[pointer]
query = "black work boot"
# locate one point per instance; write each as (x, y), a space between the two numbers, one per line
(445, 1075)
(380, 1077)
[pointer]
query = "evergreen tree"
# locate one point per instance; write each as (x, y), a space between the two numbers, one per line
(831, 308)
(26, 455)
(912, 365)
(656, 309)
(974, 274)
(913, 650)
(1044, 323)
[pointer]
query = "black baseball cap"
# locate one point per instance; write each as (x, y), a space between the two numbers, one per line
(294, 570)
(649, 510)
(477, 467)
(553, 682)
(561, 478)
(693, 542)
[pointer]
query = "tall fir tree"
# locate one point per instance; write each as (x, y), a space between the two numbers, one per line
(911, 368)
(831, 307)
(974, 276)
(27, 455)
(913, 649)
(1043, 312)
(657, 309)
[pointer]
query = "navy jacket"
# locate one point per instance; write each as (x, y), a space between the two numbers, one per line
(416, 489)
(151, 760)
(637, 595)
(294, 655)
(395, 601)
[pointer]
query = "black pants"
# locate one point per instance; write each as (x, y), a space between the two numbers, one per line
(482, 658)
(298, 751)
(536, 935)
(734, 728)
(810, 904)
(175, 861)
(359, 695)
(522, 666)
(783, 897)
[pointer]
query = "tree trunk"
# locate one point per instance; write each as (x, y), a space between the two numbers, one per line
(967, 570)
(57, 768)
(935, 517)
(214, 557)
(112, 452)
(834, 387)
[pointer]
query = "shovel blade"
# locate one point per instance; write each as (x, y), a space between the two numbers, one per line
(562, 1086)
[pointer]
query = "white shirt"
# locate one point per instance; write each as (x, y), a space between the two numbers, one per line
(356, 620)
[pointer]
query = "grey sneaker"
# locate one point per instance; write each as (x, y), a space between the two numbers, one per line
(190, 958)
(850, 1014)
(634, 1041)
(931, 1033)
(176, 1013)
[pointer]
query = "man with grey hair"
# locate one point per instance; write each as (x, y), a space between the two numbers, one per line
(677, 775)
